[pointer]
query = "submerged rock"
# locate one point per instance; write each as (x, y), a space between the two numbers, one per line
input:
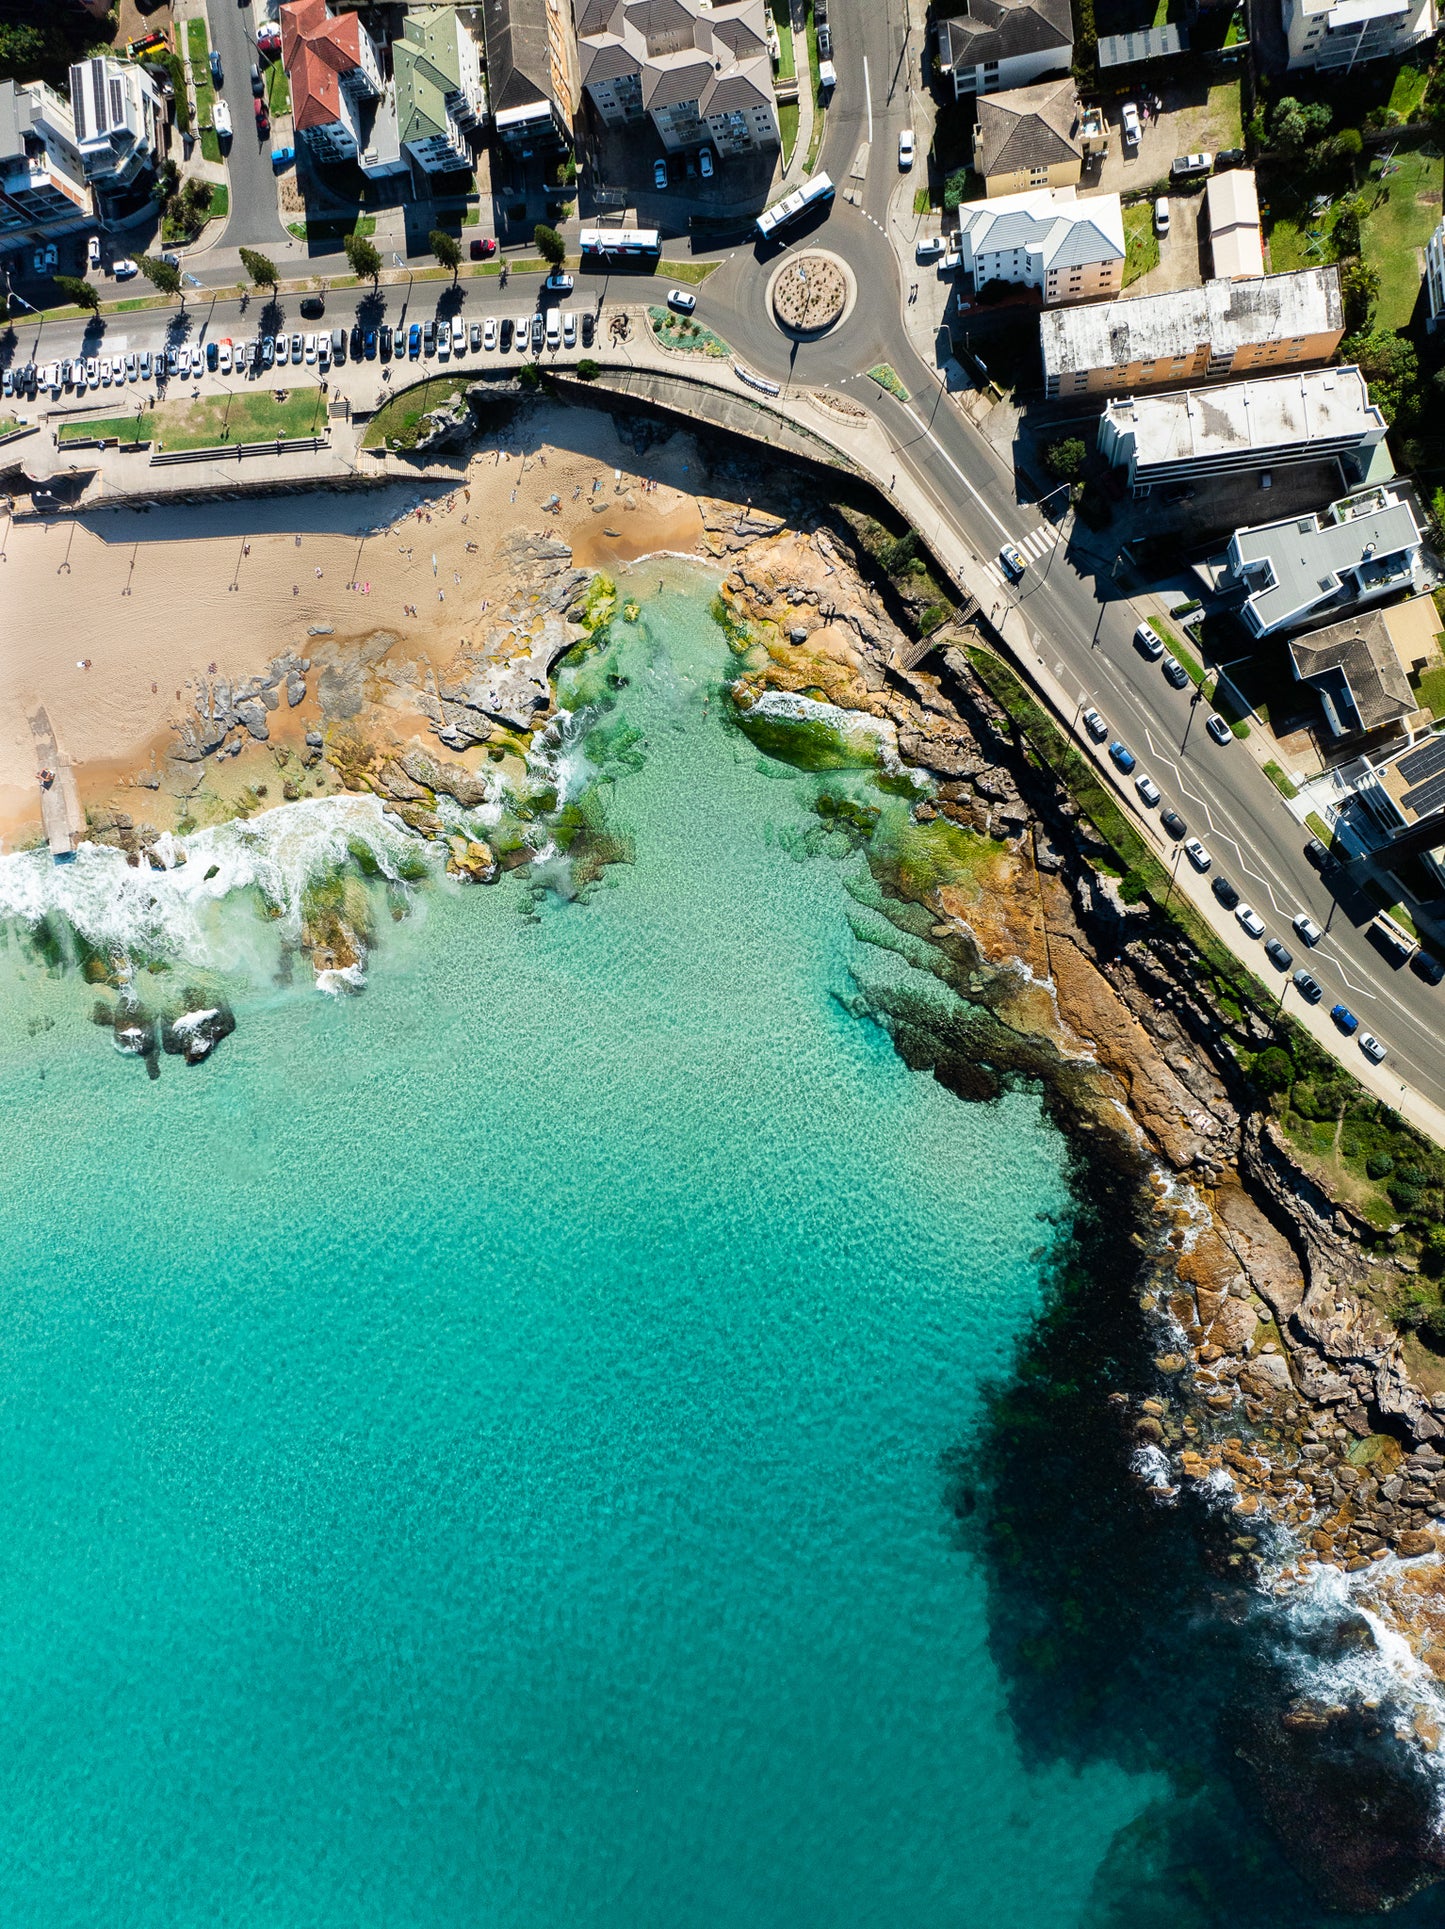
(194, 1035)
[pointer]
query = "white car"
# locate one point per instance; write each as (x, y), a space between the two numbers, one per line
(558, 283)
(117, 368)
(1095, 725)
(1129, 120)
(704, 163)
(459, 336)
(224, 362)
(659, 175)
(283, 350)
(930, 248)
(92, 252)
(489, 333)
(1196, 853)
(905, 149)
(1146, 640)
(1371, 1046)
(680, 299)
(569, 329)
(1161, 215)
(1147, 789)
(124, 269)
(311, 348)
(1307, 928)
(1250, 919)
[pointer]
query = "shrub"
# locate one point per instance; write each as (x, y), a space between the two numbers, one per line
(1432, 1252)
(588, 370)
(1065, 459)
(549, 244)
(1274, 1069)
(1379, 1165)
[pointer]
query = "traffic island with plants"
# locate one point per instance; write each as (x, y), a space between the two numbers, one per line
(684, 334)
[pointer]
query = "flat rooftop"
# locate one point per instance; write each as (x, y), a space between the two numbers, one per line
(1233, 418)
(1307, 556)
(1226, 314)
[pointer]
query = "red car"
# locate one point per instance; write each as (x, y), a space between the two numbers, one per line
(263, 119)
(482, 249)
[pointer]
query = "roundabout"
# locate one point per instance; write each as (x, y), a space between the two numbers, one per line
(810, 293)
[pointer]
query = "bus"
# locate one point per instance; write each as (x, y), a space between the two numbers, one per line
(811, 194)
(625, 244)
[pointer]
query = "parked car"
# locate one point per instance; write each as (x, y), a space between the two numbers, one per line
(930, 248)
(263, 119)
(283, 350)
(559, 283)
(1129, 122)
(682, 300)
(1345, 1019)
(1278, 956)
(268, 350)
(1123, 756)
(368, 345)
(356, 341)
(413, 341)
(1219, 729)
(1190, 167)
(1308, 988)
(1196, 853)
(298, 349)
(221, 120)
(1012, 561)
(132, 368)
(1146, 640)
(213, 356)
(1427, 966)
(1148, 790)
(483, 249)
(1174, 824)
(659, 174)
(569, 329)
(554, 330)
(459, 336)
(1250, 919)
(145, 365)
(338, 345)
(92, 252)
(588, 326)
(505, 332)
(217, 74)
(477, 335)
(905, 149)
(1371, 1046)
(125, 269)
(489, 333)
(536, 331)
(1176, 673)
(1177, 492)
(1307, 928)
(1095, 725)
(1161, 215)
(258, 86)
(704, 163)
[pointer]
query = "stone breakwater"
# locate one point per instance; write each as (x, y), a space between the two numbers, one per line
(1282, 1404)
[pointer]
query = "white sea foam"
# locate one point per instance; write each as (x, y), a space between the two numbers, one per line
(849, 724)
(128, 910)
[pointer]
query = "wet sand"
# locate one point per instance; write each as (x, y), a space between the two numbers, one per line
(109, 620)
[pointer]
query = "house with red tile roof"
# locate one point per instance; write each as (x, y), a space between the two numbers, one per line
(340, 105)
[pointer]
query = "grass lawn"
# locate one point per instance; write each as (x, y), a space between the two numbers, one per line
(243, 417)
(1408, 92)
(334, 229)
(1141, 244)
(694, 271)
(787, 66)
(788, 128)
(1394, 230)
(820, 101)
(125, 429)
(1429, 686)
(8, 426)
(399, 422)
(1227, 114)
(278, 91)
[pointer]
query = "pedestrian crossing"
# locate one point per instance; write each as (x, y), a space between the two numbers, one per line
(1033, 547)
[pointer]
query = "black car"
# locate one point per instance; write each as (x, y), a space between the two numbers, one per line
(1308, 988)
(1427, 966)
(588, 326)
(258, 86)
(1177, 492)
(1173, 823)
(1277, 954)
(1317, 854)
(506, 332)
(356, 341)
(384, 341)
(369, 344)
(1225, 892)
(312, 306)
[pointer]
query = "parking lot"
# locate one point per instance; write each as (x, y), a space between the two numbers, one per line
(1193, 119)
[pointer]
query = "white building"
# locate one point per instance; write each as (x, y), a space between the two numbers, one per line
(1046, 238)
(1338, 35)
(441, 98)
(1435, 277)
(43, 190)
(341, 107)
(109, 133)
(1361, 550)
(1240, 427)
(989, 46)
(697, 69)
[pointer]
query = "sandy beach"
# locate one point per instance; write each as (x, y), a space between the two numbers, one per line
(108, 620)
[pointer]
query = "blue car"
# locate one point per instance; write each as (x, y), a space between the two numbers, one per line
(1345, 1019)
(413, 341)
(213, 355)
(371, 344)
(1121, 753)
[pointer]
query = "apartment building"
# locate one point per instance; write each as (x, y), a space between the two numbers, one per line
(1336, 36)
(441, 97)
(1032, 137)
(1070, 250)
(532, 74)
(43, 192)
(990, 46)
(1361, 550)
(1356, 670)
(1225, 328)
(340, 105)
(698, 72)
(1240, 427)
(108, 132)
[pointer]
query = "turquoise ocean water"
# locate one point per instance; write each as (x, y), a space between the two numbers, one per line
(474, 1452)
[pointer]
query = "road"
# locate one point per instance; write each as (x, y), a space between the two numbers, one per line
(253, 220)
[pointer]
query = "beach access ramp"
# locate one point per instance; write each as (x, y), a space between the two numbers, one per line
(60, 811)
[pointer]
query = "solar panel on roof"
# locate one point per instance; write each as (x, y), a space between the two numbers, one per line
(1426, 797)
(1423, 762)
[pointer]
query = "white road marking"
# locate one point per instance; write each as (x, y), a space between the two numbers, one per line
(868, 92)
(1002, 527)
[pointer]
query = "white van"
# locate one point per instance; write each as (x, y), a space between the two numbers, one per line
(554, 329)
(459, 336)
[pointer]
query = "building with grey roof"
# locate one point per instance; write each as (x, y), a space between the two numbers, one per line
(1356, 671)
(1070, 250)
(989, 46)
(441, 98)
(698, 72)
(531, 73)
(1240, 427)
(43, 191)
(1031, 137)
(1194, 334)
(1362, 549)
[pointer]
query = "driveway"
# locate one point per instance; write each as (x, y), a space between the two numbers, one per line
(253, 221)
(1195, 119)
(1183, 252)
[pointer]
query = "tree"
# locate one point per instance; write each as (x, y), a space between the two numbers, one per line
(1345, 235)
(1065, 460)
(364, 259)
(549, 244)
(160, 274)
(1294, 124)
(1391, 367)
(588, 370)
(446, 248)
(1274, 1069)
(83, 294)
(261, 268)
(1359, 291)
(168, 179)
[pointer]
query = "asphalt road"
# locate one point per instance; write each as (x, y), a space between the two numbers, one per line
(253, 220)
